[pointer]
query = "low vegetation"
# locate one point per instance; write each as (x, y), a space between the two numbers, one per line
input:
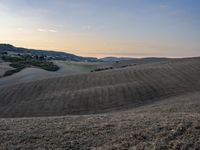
(22, 62)
(114, 66)
(102, 69)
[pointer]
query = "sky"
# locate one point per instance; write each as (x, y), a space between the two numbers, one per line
(100, 28)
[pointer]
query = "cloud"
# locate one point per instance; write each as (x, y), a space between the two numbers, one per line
(41, 30)
(54, 31)
(59, 25)
(47, 30)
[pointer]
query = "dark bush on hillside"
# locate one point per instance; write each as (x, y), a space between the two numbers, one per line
(102, 69)
(44, 65)
(12, 59)
(19, 65)
(10, 72)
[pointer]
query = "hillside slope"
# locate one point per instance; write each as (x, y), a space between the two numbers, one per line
(102, 91)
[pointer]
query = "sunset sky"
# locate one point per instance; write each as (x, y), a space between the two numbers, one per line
(133, 28)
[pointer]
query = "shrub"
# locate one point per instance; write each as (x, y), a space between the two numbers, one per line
(10, 72)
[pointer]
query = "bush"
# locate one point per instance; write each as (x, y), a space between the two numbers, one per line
(10, 72)
(18, 65)
(12, 59)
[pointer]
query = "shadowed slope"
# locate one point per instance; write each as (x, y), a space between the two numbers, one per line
(102, 91)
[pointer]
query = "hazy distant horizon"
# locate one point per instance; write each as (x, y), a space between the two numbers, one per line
(106, 54)
(128, 28)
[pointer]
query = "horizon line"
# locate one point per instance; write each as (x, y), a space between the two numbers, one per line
(104, 54)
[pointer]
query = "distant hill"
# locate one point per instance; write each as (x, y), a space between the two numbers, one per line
(53, 54)
(111, 59)
(129, 61)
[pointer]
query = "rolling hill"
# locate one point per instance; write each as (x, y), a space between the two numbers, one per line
(101, 92)
(148, 106)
